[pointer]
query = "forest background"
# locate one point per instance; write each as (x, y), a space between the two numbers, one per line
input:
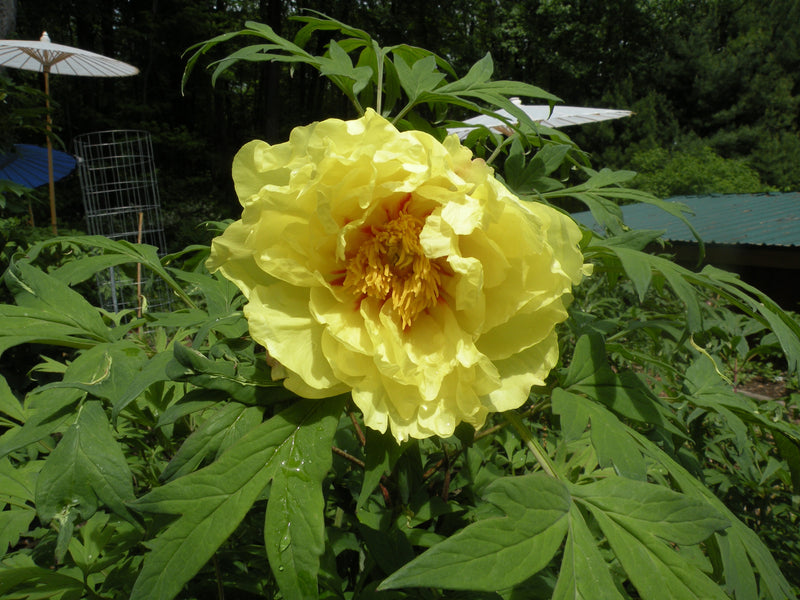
(714, 84)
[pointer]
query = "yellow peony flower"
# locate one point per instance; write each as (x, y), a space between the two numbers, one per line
(397, 267)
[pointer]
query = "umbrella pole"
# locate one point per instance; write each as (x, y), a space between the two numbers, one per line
(51, 183)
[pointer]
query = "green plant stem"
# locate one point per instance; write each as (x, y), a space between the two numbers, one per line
(218, 574)
(497, 150)
(403, 112)
(531, 442)
(379, 66)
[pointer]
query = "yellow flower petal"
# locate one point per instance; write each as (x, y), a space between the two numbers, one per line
(397, 267)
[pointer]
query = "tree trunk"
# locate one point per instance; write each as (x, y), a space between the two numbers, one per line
(8, 17)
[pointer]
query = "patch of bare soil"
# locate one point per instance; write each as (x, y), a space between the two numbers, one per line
(762, 389)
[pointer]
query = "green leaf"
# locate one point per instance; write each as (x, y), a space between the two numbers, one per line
(657, 571)
(87, 467)
(241, 383)
(589, 373)
(115, 366)
(339, 65)
(653, 509)
(389, 549)
(381, 452)
(229, 423)
(294, 527)
(478, 74)
(422, 76)
(9, 404)
(740, 580)
(638, 269)
(551, 156)
(29, 581)
(742, 540)
(143, 254)
(146, 374)
(608, 435)
(94, 535)
(212, 502)
(679, 278)
(52, 301)
(47, 412)
(637, 239)
(584, 575)
(705, 388)
(14, 522)
(496, 553)
(758, 305)
(17, 483)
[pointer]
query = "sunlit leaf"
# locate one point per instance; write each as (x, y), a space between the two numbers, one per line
(500, 552)
(211, 502)
(584, 575)
(87, 468)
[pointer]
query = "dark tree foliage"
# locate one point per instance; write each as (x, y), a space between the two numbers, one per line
(722, 71)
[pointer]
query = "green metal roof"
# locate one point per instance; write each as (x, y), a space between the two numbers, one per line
(771, 219)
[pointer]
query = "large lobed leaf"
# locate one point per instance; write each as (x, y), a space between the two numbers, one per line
(212, 502)
(496, 553)
(644, 523)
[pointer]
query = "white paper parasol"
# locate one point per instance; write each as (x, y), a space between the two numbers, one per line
(561, 116)
(46, 57)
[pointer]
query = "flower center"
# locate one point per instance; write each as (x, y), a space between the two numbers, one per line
(390, 265)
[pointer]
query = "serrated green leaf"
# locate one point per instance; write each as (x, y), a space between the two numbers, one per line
(500, 552)
(584, 575)
(213, 500)
(86, 468)
(294, 527)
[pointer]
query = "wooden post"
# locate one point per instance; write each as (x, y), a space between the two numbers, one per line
(50, 155)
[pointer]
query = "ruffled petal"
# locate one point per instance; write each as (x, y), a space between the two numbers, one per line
(397, 267)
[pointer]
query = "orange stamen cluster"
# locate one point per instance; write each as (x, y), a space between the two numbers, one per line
(390, 265)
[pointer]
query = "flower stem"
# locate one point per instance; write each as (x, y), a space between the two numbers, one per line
(531, 442)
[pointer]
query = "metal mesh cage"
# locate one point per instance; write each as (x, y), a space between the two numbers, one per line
(120, 196)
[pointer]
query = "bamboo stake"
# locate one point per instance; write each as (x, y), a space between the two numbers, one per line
(139, 271)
